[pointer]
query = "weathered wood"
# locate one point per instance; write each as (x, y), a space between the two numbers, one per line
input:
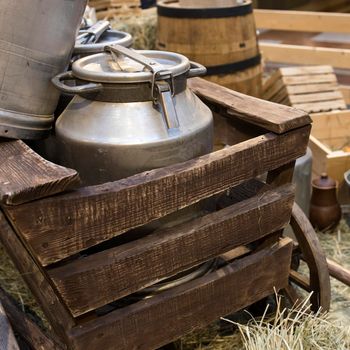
(52, 306)
(315, 259)
(26, 328)
(123, 270)
(339, 272)
(58, 227)
(300, 280)
(165, 317)
(7, 337)
(270, 116)
(25, 176)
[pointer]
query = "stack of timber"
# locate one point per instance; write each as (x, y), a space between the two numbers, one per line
(77, 254)
(313, 89)
(106, 9)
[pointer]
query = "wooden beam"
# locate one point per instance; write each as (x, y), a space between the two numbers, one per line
(26, 328)
(267, 115)
(165, 317)
(303, 21)
(298, 54)
(123, 270)
(54, 310)
(25, 176)
(58, 227)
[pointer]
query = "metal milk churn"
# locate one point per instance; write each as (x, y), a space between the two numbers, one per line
(36, 41)
(94, 39)
(132, 112)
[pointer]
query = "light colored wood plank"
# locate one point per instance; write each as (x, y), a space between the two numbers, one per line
(311, 88)
(321, 106)
(309, 79)
(320, 96)
(306, 70)
(298, 54)
(345, 90)
(303, 21)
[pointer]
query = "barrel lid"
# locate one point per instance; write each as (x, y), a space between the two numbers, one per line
(109, 37)
(111, 68)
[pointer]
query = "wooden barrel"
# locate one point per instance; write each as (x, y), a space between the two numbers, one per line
(222, 39)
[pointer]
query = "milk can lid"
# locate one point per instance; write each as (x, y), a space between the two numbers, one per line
(107, 38)
(113, 68)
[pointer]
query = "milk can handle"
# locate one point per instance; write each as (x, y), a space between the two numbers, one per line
(59, 82)
(196, 70)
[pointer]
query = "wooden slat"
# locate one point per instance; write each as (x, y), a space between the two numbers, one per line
(26, 328)
(321, 106)
(7, 337)
(310, 79)
(25, 176)
(311, 88)
(123, 270)
(345, 90)
(165, 317)
(325, 96)
(298, 54)
(305, 70)
(52, 306)
(270, 116)
(300, 280)
(58, 227)
(303, 21)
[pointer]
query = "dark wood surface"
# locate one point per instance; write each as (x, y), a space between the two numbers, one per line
(61, 226)
(25, 176)
(123, 270)
(26, 328)
(152, 323)
(268, 115)
(52, 306)
(314, 256)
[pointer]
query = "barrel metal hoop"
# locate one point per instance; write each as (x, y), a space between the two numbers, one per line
(234, 67)
(176, 12)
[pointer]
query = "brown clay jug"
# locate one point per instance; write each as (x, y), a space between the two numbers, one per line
(325, 211)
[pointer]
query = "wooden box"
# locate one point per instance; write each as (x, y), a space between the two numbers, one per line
(330, 136)
(74, 249)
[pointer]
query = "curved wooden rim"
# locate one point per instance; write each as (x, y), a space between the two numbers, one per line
(314, 257)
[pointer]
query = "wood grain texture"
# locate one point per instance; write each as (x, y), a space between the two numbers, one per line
(52, 306)
(268, 115)
(339, 272)
(315, 259)
(123, 270)
(58, 227)
(28, 330)
(7, 337)
(152, 323)
(25, 176)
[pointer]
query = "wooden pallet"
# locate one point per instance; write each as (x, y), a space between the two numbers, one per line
(107, 9)
(81, 284)
(313, 89)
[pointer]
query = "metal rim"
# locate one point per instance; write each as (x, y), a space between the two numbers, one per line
(181, 65)
(120, 38)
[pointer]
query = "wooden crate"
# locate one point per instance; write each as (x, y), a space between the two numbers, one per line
(68, 250)
(313, 89)
(107, 9)
(330, 136)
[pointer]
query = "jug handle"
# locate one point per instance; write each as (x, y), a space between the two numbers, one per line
(196, 70)
(59, 82)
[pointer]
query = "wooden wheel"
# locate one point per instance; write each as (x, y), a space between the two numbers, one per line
(311, 252)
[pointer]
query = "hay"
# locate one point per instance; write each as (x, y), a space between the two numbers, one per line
(142, 26)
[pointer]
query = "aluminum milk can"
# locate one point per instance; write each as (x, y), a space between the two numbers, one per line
(132, 112)
(36, 41)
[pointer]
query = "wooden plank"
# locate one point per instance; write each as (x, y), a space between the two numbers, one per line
(309, 79)
(321, 106)
(345, 90)
(339, 272)
(272, 117)
(311, 88)
(303, 21)
(305, 70)
(58, 227)
(26, 328)
(299, 54)
(25, 176)
(123, 270)
(7, 337)
(323, 96)
(190, 306)
(320, 153)
(300, 280)
(52, 306)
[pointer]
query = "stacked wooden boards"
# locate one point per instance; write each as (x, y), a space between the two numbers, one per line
(313, 89)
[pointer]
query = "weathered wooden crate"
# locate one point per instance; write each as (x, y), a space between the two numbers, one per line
(71, 245)
(330, 144)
